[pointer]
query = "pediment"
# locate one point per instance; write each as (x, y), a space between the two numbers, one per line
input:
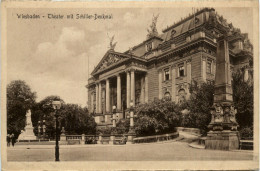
(109, 59)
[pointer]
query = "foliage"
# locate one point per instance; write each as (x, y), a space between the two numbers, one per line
(20, 98)
(157, 117)
(104, 131)
(243, 100)
(74, 118)
(246, 132)
(201, 100)
(77, 120)
(123, 126)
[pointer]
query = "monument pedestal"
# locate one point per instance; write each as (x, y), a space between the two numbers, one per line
(28, 134)
(222, 140)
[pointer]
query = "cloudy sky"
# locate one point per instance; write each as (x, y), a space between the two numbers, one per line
(55, 56)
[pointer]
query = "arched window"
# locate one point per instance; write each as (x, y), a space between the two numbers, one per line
(167, 96)
(182, 95)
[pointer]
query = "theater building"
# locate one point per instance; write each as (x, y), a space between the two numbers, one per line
(164, 65)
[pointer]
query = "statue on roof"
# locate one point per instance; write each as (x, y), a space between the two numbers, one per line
(112, 45)
(153, 30)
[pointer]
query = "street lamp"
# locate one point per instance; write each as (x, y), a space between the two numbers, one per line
(39, 130)
(114, 116)
(113, 131)
(56, 104)
(131, 132)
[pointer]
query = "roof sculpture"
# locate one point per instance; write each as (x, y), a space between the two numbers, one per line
(153, 30)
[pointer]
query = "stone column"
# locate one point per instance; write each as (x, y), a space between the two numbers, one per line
(99, 98)
(142, 90)
(146, 88)
(188, 76)
(107, 96)
(223, 134)
(128, 91)
(160, 84)
(133, 86)
(203, 70)
(119, 92)
(173, 83)
(97, 106)
(214, 67)
(246, 74)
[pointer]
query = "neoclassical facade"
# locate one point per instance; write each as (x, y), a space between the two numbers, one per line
(164, 65)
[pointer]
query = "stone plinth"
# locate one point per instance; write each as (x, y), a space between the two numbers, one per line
(112, 140)
(27, 134)
(222, 140)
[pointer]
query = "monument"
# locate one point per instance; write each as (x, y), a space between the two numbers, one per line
(223, 134)
(27, 134)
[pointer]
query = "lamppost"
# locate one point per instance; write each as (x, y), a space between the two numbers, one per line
(131, 132)
(113, 131)
(39, 130)
(56, 104)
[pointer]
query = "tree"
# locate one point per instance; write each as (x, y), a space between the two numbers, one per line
(243, 99)
(77, 120)
(20, 98)
(74, 118)
(199, 104)
(44, 110)
(157, 117)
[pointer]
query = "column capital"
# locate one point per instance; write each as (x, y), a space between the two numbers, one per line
(203, 58)
(188, 61)
(174, 66)
(132, 70)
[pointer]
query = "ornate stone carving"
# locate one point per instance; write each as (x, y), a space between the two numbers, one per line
(188, 60)
(111, 59)
(138, 64)
(223, 116)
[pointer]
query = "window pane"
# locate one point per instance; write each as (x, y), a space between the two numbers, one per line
(181, 71)
(167, 74)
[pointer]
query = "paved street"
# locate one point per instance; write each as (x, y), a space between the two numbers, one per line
(164, 151)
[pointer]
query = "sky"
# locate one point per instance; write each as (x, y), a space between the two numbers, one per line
(56, 56)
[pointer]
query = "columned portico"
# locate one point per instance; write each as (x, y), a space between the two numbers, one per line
(145, 88)
(107, 96)
(97, 106)
(99, 98)
(128, 84)
(174, 83)
(160, 84)
(119, 93)
(133, 86)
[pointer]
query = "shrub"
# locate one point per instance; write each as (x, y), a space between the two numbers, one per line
(246, 133)
(199, 105)
(157, 117)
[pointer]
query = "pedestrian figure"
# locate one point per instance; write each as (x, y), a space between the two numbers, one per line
(13, 139)
(8, 140)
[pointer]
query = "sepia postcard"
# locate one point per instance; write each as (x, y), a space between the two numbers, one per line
(159, 85)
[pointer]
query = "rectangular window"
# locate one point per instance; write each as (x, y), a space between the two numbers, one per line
(181, 70)
(166, 74)
(209, 66)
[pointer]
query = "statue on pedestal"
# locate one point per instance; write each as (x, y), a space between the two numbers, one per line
(27, 134)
